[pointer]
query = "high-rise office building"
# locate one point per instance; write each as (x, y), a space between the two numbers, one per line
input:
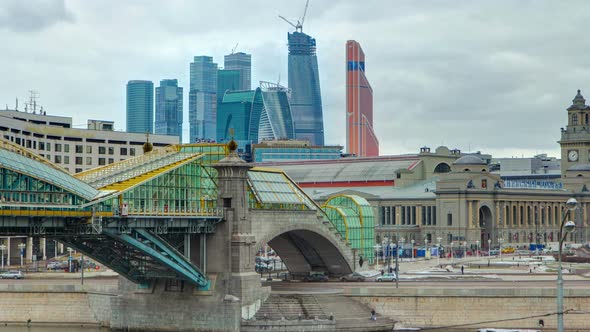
(304, 82)
(360, 137)
(250, 117)
(169, 108)
(242, 62)
(227, 80)
(202, 99)
(140, 106)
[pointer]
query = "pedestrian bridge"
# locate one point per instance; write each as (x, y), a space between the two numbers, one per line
(150, 217)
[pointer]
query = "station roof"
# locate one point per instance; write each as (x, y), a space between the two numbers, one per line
(36, 169)
(357, 169)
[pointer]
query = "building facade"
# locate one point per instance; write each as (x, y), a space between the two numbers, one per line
(242, 62)
(276, 120)
(452, 199)
(304, 82)
(360, 137)
(169, 115)
(227, 80)
(140, 106)
(75, 150)
(203, 99)
(292, 150)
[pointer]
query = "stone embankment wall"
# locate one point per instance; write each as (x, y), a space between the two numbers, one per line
(55, 304)
(470, 308)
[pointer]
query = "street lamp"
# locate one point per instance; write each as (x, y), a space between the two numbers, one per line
(568, 226)
(438, 250)
(464, 249)
(500, 240)
(489, 246)
(477, 248)
(403, 239)
(426, 247)
(412, 241)
(2, 248)
(21, 247)
(452, 256)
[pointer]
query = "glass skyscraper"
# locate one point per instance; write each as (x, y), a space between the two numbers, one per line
(304, 82)
(254, 116)
(140, 106)
(242, 62)
(169, 108)
(202, 99)
(227, 80)
(360, 137)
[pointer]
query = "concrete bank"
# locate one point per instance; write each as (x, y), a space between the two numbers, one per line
(470, 308)
(55, 304)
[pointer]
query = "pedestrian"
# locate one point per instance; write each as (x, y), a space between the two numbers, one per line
(462, 269)
(390, 269)
(382, 272)
(373, 315)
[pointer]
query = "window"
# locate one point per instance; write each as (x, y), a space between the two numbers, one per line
(78, 170)
(574, 119)
(66, 148)
(484, 184)
(57, 147)
(88, 148)
(42, 146)
(101, 161)
(111, 150)
(48, 146)
(132, 151)
(67, 160)
(102, 150)
(450, 219)
(111, 160)
(78, 161)
(48, 157)
(79, 149)
(88, 160)
(123, 151)
(57, 159)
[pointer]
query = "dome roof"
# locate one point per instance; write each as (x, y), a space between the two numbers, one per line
(580, 167)
(469, 160)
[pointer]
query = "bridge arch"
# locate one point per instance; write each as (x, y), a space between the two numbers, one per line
(308, 245)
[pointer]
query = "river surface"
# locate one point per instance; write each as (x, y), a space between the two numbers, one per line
(99, 329)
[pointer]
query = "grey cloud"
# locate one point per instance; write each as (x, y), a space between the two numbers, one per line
(33, 15)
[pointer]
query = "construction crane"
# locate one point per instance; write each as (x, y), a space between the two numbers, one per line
(233, 50)
(299, 26)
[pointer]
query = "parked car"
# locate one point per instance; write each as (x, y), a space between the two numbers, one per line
(12, 275)
(260, 267)
(355, 276)
(316, 276)
(56, 265)
(386, 277)
(494, 252)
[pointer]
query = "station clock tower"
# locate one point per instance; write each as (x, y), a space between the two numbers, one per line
(575, 137)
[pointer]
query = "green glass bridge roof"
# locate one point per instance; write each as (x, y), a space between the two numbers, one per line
(277, 188)
(43, 172)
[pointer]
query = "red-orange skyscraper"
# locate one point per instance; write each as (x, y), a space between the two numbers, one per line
(360, 137)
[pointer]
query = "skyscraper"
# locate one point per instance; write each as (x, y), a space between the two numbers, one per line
(242, 62)
(140, 106)
(227, 80)
(169, 108)
(202, 102)
(360, 137)
(254, 116)
(304, 82)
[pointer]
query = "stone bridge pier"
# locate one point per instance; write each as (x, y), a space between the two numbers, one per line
(226, 257)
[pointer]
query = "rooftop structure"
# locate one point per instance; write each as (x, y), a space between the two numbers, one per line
(74, 149)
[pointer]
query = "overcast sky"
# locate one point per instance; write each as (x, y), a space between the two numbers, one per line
(494, 76)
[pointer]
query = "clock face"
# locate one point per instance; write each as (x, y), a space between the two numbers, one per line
(572, 155)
